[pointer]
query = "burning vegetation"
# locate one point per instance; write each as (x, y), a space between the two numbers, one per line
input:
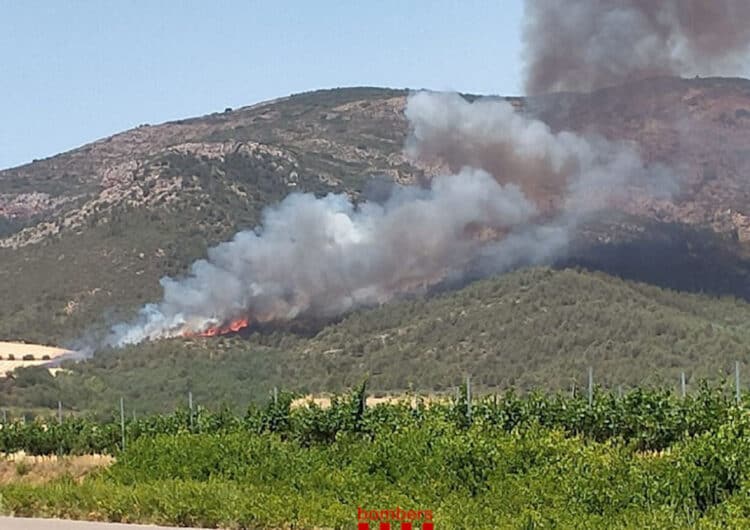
(234, 326)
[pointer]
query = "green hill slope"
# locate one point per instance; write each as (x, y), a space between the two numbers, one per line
(535, 328)
(91, 231)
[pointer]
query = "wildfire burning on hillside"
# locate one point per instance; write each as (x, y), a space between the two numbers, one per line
(233, 326)
(514, 191)
(321, 257)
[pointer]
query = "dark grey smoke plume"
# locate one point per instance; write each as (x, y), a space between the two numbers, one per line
(581, 45)
(557, 171)
(323, 257)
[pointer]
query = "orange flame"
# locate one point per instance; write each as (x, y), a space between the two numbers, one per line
(232, 327)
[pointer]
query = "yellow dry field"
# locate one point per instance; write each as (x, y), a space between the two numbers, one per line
(19, 349)
(325, 401)
(19, 467)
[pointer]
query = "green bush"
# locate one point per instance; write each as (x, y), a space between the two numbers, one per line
(647, 459)
(480, 476)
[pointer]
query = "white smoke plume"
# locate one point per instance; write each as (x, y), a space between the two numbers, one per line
(512, 192)
(580, 45)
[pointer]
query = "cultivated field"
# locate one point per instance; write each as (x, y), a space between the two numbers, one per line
(647, 459)
(18, 354)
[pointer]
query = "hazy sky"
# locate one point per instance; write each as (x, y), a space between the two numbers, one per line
(75, 71)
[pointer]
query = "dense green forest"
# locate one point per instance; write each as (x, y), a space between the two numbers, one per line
(531, 329)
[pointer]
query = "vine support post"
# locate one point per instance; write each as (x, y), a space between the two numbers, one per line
(591, 386)
(683, 385)
(190, 406)
(737, 392)
(122, 421)
(468, 398)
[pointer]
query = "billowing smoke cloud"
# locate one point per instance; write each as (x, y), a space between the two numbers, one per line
(489, 210)
(581, 45)
(558, 171)
(324, 256)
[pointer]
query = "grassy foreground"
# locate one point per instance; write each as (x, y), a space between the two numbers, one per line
(648, 460)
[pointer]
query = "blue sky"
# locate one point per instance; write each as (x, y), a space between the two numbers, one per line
(74, 71)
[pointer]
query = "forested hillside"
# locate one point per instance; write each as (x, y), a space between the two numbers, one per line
(531, 329)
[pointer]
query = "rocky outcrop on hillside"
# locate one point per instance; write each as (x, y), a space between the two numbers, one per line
(699, 127)
(359, 131)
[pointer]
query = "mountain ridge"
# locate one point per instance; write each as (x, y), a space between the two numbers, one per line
(85, 235)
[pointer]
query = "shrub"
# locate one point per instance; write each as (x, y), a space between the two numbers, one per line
(22, 467)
